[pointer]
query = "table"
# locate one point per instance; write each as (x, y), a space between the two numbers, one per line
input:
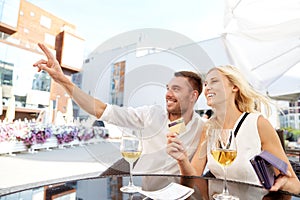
(107, 187)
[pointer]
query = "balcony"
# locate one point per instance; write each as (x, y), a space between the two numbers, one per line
(7, 29)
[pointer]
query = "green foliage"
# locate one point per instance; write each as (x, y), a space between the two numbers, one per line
(295, 132)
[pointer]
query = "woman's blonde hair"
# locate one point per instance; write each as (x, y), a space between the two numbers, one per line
(247, 98)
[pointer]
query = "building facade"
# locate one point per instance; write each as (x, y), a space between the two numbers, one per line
(129, 74)
(290, 115)
(145, 74)
(22, 26)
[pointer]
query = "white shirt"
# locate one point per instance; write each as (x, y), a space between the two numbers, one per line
(154, 121)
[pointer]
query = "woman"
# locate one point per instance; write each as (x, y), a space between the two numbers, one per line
(230, 95)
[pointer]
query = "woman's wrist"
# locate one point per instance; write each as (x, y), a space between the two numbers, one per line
(292, 186)
(183, 161)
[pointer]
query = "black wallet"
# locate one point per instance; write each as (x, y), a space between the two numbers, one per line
(263, 164)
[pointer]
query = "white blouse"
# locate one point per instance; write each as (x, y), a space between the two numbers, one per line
(248, 145)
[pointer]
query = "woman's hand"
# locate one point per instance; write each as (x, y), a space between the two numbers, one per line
(280, 181)
(286, 183)
(175, 148)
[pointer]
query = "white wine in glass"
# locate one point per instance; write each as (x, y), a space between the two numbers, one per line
(131, 150)
(223, 149)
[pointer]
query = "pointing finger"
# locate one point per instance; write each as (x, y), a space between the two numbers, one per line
(46, 51)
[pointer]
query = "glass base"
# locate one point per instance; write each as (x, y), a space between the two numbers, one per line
(130, 189)
(224, 197)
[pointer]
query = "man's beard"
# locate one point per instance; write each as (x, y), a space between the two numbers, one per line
(176, 111)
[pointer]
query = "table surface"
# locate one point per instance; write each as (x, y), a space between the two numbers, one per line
(108, 187)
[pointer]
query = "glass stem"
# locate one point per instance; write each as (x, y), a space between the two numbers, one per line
(225, 189)
(130, 173)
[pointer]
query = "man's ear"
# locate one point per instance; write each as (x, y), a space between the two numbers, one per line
(195, 94)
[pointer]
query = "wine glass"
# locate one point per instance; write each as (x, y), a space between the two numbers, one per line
(223, 149)
(131, 149)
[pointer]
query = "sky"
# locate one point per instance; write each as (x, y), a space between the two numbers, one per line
(99, 20)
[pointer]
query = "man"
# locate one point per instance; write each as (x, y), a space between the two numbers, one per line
(183, 91)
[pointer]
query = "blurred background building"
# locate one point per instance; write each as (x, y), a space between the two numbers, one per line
(22, 26)
(119, 73)
(122, 80)
(290, 115)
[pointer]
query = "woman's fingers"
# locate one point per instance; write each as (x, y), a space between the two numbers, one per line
(280, 181)
(171, 137)
(176, 145)
(171, 134)
(172, 149)
(176, 151)
(174, 140)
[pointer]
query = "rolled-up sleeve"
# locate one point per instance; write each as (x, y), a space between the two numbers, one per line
(105, 114)
(127, 116)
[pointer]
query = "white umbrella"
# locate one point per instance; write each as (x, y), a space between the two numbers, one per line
(10, 112)
(262, 38)
(50, 112)
(1, 105)
(69, 112)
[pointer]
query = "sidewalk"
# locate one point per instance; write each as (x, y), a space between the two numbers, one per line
(27, 170)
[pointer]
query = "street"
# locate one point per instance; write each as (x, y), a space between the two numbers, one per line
(26, 170)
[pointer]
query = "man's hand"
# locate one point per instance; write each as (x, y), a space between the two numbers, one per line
(51, 65)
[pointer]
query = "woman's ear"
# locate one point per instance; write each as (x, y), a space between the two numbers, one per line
(235, 88)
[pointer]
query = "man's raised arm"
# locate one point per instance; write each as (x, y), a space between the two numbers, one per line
(51, 66)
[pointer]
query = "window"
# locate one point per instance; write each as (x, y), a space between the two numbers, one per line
(45, 21)
(117, 83)
(50, 39)
(41, 81)
(9, 12)
(6, 73)
(3, 35)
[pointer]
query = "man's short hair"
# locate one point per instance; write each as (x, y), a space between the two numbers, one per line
(194, 79)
